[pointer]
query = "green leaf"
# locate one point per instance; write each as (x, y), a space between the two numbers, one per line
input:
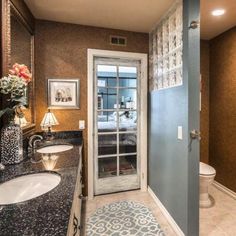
(21, 100)
(6, 110)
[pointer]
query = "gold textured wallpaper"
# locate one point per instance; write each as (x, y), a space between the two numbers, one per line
(61, 53)
(204, 114)
(223, 107)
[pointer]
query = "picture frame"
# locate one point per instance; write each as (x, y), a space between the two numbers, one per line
(64, 93)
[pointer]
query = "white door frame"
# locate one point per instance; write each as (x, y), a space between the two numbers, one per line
(142, 57)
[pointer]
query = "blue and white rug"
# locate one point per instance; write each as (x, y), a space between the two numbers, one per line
(123, 218)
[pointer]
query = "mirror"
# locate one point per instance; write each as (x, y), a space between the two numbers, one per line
(20, 43)
(21, 52)
(18, 47)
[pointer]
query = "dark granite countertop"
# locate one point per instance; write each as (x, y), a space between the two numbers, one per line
(47, 214)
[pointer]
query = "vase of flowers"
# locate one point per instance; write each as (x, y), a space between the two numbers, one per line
(13, 90)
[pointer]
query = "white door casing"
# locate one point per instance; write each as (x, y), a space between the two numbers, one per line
(92, 53)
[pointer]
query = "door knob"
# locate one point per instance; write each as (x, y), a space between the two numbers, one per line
(194, 24)
(194, 135)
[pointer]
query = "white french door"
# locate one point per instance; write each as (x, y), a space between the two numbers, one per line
(116, 125)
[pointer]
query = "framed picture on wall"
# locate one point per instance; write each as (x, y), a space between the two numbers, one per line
(63, 93)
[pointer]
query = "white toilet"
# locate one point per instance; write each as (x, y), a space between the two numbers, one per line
(207, 174)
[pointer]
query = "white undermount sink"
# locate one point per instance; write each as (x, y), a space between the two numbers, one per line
(27, 187)
(55, 148)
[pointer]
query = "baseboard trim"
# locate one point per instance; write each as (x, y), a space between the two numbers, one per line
(225, 189)
(164, 211)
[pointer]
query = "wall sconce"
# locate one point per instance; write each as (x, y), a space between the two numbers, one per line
(48, 121)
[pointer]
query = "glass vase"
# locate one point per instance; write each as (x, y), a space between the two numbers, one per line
(11, 144)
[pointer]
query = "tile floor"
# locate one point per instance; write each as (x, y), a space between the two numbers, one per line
(219, 220)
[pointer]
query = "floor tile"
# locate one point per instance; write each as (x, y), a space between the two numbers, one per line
(218, 220)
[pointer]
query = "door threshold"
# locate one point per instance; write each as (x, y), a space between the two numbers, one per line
(104, 194)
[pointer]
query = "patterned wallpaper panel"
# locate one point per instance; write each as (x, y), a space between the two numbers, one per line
(166, 48)
(61, 52)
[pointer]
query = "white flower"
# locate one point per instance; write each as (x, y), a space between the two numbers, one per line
(6, 85)
(13, 85)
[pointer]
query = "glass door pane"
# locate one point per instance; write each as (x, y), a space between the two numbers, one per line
(107, 167)
(128, 143)
(106, 121)
(128, 98)
(127, 76)
(127, 121)
(106, 76)
(107, 144)
(128, 165)
(106, 98)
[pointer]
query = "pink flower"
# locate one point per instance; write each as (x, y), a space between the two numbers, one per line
(21, 71)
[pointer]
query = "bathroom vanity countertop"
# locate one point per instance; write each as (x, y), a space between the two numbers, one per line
(47, 214)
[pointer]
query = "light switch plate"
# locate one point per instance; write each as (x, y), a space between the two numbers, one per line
(81, 124)
(180, 132)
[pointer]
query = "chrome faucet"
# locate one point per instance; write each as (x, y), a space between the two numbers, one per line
(33, 140)
(32, 147)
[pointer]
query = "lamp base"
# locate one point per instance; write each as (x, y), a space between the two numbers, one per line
(48, 135)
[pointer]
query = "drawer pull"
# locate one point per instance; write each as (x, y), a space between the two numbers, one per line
(81, 196)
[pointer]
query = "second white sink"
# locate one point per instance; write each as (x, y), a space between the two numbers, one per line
(27, 187)
(55, 148)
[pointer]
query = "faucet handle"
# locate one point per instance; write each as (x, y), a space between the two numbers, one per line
(35, 142)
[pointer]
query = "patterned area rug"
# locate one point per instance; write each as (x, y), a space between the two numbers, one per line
(123, 218)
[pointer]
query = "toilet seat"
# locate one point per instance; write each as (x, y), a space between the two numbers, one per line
(206, 170)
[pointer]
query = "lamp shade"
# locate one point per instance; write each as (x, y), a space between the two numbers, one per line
(49, 120)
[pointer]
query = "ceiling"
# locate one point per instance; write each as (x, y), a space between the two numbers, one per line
(212, 26)
(131, 15)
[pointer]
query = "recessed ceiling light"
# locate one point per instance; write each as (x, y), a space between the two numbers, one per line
(218, 12)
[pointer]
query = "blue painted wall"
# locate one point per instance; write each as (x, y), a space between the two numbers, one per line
(168, 176)
(173, 167)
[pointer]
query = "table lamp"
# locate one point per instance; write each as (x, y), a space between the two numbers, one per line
(48, 121)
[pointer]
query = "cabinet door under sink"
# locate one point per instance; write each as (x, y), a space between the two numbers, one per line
(74, 228)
